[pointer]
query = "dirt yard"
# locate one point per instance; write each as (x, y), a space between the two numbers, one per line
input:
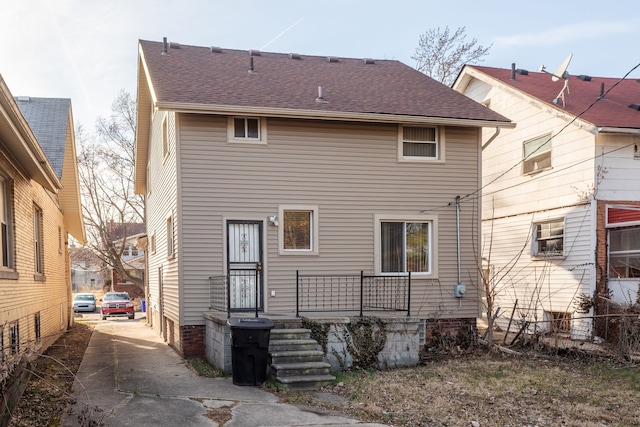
(476, 389)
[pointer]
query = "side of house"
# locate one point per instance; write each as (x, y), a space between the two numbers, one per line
(35, 275)
(314, 183)
(543, 187)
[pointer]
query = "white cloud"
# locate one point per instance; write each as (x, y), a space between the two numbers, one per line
(568, 33)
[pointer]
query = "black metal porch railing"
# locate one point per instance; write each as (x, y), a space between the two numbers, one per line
(352, 293)
(319, 293)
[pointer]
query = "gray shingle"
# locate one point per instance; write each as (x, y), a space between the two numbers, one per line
(48, 119)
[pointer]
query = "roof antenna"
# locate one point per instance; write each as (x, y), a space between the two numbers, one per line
(561, 73)
(165, 46)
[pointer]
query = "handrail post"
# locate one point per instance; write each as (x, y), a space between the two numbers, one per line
(409, 296)
(297, 293)
(228, 296)
(361, 290)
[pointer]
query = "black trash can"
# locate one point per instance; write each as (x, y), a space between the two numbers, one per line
(249, 349)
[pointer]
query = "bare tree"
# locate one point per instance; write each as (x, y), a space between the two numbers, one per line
(112, 211)
(441, 55)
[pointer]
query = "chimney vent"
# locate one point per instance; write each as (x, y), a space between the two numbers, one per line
(320, 98)
(333, 59)
(165, 46)
(294, 56)
(253, 52)
(513, 71)
(251, 64)
(216, 49)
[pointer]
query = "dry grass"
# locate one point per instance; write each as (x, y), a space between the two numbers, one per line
(491, 390)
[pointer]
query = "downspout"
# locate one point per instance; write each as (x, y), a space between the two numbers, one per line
(494, 136)
(458, 233)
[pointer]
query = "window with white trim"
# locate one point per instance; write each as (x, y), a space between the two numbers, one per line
(170, 240)
(165, 136)
(536, 154)
(38, 235)
(247, 129)
(405, 246)
(6, 229)
(624, 252)
(298, 230)
(419, 143)
(548, 238)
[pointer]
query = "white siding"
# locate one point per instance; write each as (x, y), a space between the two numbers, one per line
(350, 172)
(619, 172)
(539, 285)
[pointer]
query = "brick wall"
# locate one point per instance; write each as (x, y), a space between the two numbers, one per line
(461, 328)
(192, 340)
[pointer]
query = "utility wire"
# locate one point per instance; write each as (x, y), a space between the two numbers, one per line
(479, 190)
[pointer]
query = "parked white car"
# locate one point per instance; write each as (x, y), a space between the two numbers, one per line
(84, 302)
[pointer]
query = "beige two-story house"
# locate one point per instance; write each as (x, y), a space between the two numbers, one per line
(260, 166)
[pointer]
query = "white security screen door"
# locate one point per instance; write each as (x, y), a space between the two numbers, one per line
(244, 255)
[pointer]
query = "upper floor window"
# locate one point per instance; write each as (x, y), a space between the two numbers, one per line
(405, 246)
(549, 238)
(170, 242)
(419, 143)
(624, 252)
(247, 129)
(165, 136)
(6, 246)
(536, 154)
(299, 229)
(38, 235)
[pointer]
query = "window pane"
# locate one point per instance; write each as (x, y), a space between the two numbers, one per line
(537, 146)
(624, 252)
(417, 247)
(252, 128)
(391, 246)
(419, 149)
(297, 230)
(550, 237)
(419, 134)
(627, 239)
(238, 128)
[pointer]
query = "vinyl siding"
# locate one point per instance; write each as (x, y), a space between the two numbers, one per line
(161, 202)
(619, 176)
(350, 172)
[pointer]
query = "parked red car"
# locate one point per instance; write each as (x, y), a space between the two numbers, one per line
(117, 304)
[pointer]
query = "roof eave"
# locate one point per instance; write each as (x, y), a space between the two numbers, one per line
(608, 129)
(327, 115)
(24, 145)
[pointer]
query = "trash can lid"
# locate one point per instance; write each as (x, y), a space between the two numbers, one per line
(250, 323)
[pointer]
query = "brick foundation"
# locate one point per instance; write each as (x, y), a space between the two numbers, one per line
(463, 330)
(192, 339)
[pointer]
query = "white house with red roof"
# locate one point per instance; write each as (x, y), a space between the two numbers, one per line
(560, 194)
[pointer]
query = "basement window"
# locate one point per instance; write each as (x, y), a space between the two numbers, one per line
(558, 321)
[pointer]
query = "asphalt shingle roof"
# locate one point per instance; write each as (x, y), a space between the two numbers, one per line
(48, 118)
(221, 77)
(611, 111)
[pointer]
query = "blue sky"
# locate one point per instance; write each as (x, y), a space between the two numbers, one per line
(86, 50)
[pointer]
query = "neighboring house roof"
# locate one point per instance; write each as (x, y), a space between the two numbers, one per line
(19, 139)
(51, 122)
(118, 230)
(611, 112)
(48, 118)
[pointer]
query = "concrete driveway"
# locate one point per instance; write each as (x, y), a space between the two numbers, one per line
(130, 377)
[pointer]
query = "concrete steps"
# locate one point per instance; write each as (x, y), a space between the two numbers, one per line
(295, 362)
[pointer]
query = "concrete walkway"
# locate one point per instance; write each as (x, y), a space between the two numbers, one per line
(130, 377)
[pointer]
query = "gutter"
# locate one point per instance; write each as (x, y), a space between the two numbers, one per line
(618, 130)
(323, 115)
(494, 136)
